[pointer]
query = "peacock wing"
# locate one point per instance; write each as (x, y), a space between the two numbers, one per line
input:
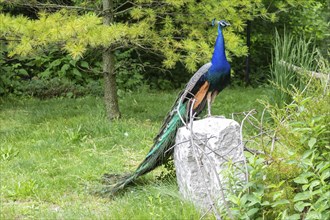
(196, 81)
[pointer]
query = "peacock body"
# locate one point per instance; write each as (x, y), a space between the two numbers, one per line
(201, 89)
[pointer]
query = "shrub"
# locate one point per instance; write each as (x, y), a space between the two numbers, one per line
(57, 74)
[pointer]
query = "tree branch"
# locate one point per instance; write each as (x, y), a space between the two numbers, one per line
(55, 6)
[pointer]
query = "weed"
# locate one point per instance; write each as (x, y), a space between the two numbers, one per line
(8, 153)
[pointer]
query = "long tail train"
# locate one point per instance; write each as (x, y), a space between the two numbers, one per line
(161, 150)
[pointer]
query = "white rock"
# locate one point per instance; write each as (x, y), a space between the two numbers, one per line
(203, 173)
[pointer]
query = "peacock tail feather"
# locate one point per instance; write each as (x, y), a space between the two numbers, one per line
(161, 150)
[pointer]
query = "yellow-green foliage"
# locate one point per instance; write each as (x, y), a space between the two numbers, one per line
(179, 29)
(72, 32)
(190, 20)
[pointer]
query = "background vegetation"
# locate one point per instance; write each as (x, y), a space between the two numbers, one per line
(182, 43)
(56, 142)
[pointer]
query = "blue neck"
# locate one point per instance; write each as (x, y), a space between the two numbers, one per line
(219, 55)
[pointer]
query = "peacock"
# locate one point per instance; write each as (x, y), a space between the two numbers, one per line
(201, 89)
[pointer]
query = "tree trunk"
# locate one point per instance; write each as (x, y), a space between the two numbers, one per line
(110, 87)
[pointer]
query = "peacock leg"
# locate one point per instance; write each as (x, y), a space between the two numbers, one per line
(210, 99)
(209, 102)
(214, 94)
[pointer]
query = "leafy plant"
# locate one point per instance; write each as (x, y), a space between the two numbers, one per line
(58, 74)
(262, 196)
(8, 153)
(48, 75)
(25, 189)
(292, 182)
(129, 70)
(313, 132)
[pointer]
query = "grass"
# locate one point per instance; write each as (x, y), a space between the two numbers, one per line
(54, 153)
(291, 51)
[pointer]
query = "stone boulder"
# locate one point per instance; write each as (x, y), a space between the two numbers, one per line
(209, 160)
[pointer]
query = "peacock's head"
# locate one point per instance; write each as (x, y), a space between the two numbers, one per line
(221, 23)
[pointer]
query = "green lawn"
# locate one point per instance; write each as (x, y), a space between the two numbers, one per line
(54, 153)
